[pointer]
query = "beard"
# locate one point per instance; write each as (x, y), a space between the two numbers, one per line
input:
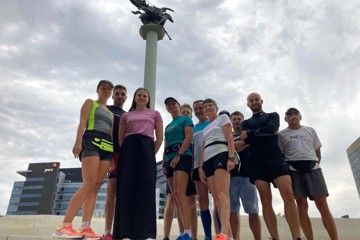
(256, 108)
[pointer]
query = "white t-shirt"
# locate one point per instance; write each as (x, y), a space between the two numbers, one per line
(299, 144)
(214, 132)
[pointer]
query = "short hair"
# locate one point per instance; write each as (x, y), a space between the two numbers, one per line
(198, 101)
(209, 100)
(186, 105)
(237, 113)
(119, 86)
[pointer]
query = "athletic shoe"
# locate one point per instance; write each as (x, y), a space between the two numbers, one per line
(107, 236)
(221, 236)
(89, 233)
(67, 232)
(184, 236)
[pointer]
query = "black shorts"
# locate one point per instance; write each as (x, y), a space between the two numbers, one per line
(190, 189)
(183, 165)
(218, 161)
(268, 170)
(89, 149)
(195, 175)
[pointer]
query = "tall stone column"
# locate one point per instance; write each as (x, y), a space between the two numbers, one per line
(152, 33)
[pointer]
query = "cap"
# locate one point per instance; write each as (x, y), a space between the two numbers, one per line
(291, 109)
(170, 99)
(224, 112)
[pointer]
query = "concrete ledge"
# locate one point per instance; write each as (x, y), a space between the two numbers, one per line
(38, 227)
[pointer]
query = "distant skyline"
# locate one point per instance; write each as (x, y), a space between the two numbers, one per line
(303, 54)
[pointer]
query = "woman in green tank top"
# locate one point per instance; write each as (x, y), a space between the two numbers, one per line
(93, 145)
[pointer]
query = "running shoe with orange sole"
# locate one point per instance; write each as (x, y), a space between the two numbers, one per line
(67, 232)
(89, 234)
(106, 237)
(221, 236)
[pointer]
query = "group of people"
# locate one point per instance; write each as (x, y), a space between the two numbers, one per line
(223, 154)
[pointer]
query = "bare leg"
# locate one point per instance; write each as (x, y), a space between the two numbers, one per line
(89, 204)
(179, 190)
(168, 215)
(175, 208)
(255, 225)
(89, 183)
(181, 225)
(193, 215)
(215, 219)
(326, 217)
(203, 193)
(219, 184)
(110, 203)
(264, 190)
(235, 225)
(291, 213)
(305, 222)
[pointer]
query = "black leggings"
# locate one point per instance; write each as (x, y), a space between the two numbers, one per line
(135, 212)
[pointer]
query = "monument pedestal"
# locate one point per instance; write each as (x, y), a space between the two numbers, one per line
(152, 33)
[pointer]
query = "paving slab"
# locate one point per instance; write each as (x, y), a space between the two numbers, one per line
(39, 227)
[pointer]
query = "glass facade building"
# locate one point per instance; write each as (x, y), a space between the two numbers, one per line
(353, 153)
(47, 189)
(36, 194)
(160, 191)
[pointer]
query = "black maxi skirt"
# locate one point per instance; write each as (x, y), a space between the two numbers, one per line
(135, 210)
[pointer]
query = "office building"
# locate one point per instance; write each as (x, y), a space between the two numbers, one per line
(353, 153)
(47, 189)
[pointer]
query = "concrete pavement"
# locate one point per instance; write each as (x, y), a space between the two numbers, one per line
(38, 227)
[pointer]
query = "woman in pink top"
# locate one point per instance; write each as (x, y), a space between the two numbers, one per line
(135, 213)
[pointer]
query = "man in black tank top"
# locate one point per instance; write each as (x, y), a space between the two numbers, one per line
(267, 165)
(119, 96)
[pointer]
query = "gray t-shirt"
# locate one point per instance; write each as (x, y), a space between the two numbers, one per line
(299, 144)
(197, 141)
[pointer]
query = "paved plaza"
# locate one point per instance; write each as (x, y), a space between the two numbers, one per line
(40, 227)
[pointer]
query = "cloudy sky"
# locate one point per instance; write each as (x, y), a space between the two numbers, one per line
(295, 53)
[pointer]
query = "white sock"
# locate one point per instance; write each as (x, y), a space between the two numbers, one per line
(187, 231)
(85, 224)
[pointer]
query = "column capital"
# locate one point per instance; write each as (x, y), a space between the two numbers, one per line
(144, 29)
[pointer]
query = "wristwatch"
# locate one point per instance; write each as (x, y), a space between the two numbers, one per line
(180, 155)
